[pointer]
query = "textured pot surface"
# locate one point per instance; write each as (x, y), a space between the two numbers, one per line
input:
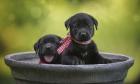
(26, 70)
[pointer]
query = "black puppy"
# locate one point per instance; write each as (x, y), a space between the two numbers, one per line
(82, 50)
(46, 48)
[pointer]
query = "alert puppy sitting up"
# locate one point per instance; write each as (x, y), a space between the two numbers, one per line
(81, 48)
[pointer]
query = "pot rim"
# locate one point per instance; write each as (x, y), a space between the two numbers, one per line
(98, 67)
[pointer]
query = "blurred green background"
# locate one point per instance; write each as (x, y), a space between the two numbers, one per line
(22, 22)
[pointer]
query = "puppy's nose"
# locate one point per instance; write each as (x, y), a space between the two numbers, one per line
(48, 45)
(83, 34)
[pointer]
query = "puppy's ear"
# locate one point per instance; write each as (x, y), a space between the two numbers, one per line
(67, 24)
(36, 47)
(95, 22)
(59, 39)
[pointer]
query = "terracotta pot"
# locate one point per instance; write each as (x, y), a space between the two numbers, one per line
(26, 70)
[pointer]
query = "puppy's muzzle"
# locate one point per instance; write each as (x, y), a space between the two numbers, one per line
(49, 49)
(48, 45)
(83, 34)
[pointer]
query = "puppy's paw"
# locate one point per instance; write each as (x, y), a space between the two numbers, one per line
(72, 60)
(77, 61)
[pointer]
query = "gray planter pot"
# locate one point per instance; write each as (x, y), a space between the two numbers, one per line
(26, 70)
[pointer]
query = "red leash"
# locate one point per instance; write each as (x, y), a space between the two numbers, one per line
(65, 43)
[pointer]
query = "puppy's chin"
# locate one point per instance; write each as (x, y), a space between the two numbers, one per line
(81, 39)
(48, 58)
(84, 39)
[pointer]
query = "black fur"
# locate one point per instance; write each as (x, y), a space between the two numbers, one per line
(47, 46)
(81, 28)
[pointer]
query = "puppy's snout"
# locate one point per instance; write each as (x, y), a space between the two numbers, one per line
(83, 34)
(48, 45)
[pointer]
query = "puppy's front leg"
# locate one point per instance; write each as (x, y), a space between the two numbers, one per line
(77, 61)
(71, 60)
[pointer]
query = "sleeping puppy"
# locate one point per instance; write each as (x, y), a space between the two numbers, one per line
(46, 49)
(82, 49)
